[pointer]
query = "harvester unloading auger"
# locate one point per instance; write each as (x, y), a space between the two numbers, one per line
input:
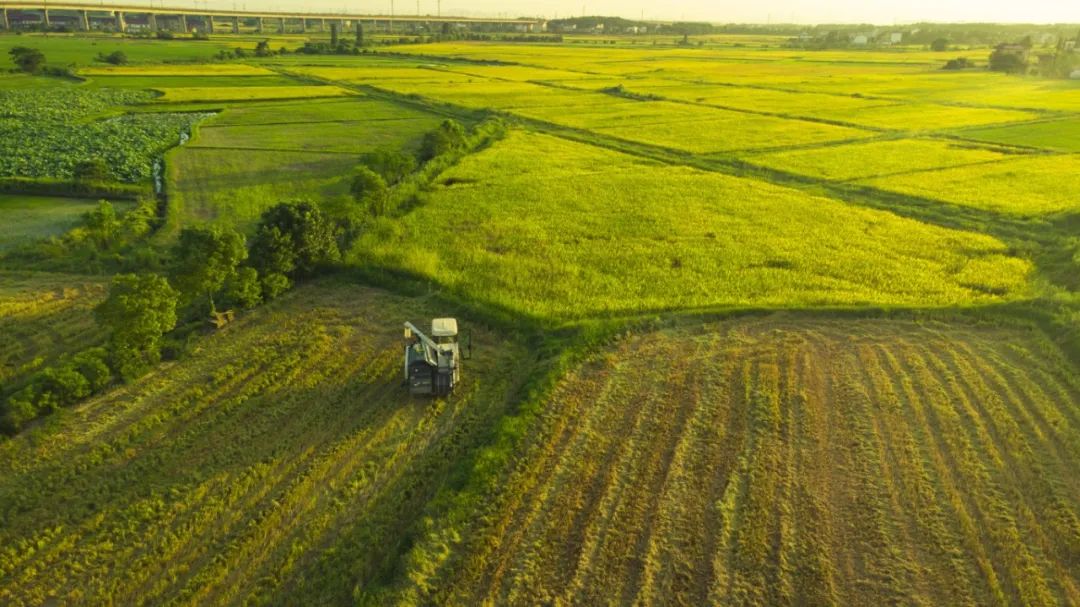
(433, 364)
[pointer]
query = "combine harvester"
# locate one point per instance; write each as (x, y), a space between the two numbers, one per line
(433, 364)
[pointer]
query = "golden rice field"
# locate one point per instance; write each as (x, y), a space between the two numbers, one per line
(210, 69)
(282, 459)
(249, 93)
(523, 228)
(786, 460)
(878, 158)
(1021, 186)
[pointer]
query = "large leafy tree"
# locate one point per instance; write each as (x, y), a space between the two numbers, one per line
(449, 137)
(205, 258)
(370, 191)
(140, 309)
(392, 165)
(29, 60)
(293, 239)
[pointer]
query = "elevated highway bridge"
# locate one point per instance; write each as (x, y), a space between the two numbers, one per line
(84, 16)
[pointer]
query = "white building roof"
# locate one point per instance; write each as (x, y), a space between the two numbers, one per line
(444, 327)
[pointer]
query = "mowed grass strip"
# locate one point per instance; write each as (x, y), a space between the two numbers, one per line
(565, 230)
(1022, 186)
(876, 158)
(776, 460)
(343, 136)
(283, 458)
(248, 93)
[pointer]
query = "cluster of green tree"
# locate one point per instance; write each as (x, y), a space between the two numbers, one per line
(208, 266)
(382, 170)
(113, 58)
(960, 63)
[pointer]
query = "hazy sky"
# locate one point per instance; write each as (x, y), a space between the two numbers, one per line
(755, 11)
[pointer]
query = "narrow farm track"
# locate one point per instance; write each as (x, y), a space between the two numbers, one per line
(782, 461)
(241, 472)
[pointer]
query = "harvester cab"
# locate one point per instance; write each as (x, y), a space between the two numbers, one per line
(433, 364)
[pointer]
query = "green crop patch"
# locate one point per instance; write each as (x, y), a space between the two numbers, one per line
(1021, 186)
(48, 135)
(235, 186)
(248, 93)
(876, 158)
(30, 218)
(559, 229)
(330, 110)
(1062, 135)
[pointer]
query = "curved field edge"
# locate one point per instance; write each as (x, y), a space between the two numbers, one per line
(282, 461)
(757, 460)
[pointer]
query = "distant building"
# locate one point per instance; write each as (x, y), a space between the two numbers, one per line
(1075, 75)
(860, 40)
(896, 38)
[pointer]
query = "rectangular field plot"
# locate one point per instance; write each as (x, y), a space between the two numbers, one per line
(271, 461)
(876, 158)
(925, 117)
(1021, 186)
(559, 229)
(235, 186)
(188, 82)
(211, 69)
(1063, 135)
(351, 109)
(752, 461)
(249, 93)
(759, 100)
(341, 136)
(688, 127)
(497, 94)
(975, 88)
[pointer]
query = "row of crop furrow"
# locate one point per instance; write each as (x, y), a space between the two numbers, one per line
(565, 529)
(678, 552)
(488, 562)
(1010, 559)
(934, 536)
(126, 515)
(614, 558)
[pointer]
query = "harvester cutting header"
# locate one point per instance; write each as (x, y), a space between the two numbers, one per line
(433, 364)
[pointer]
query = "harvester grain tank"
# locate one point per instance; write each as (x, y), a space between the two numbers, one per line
(433, 364)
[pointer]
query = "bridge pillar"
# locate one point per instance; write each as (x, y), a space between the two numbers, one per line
(322, 26)
(210, 23)
(281, 25)
(84, 20)
(4, 19)
(235, 24)
(303, 25)
(152, 20)
(45, 17)
(183, 23)
(121, 25)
